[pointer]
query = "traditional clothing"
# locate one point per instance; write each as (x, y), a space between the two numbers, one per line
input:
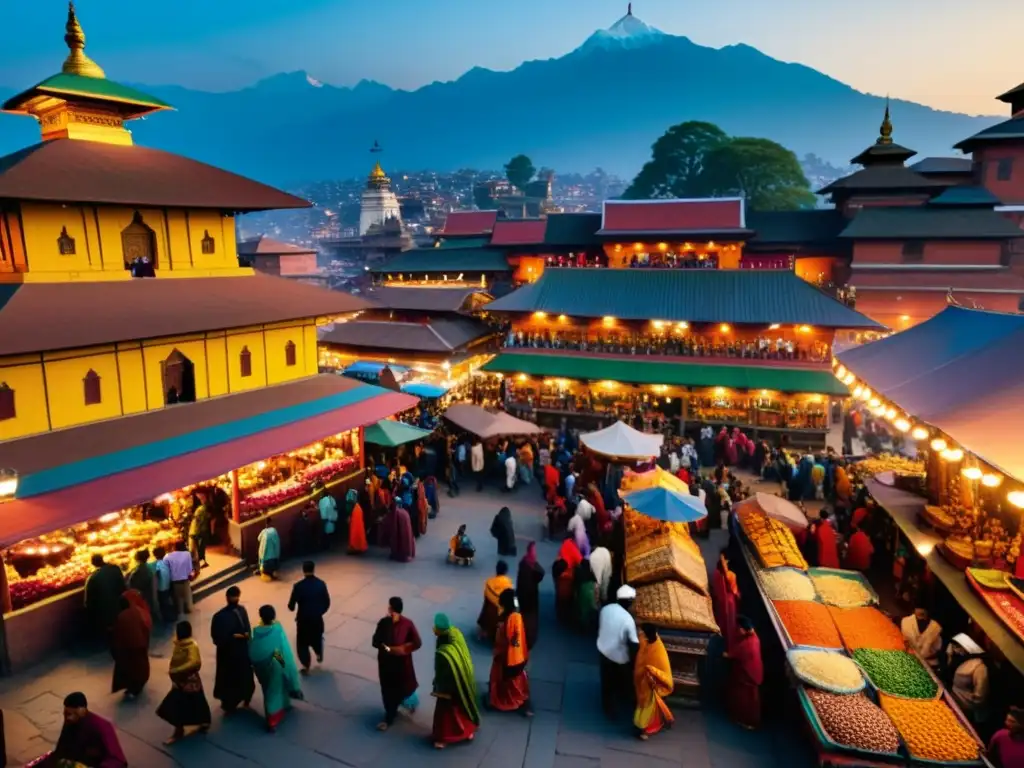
(395, 668)
(564, 572)
(269, 553)
(601, 565)
(925, 641)
(652, 682)
(828, 549)
(509, 685)
(357, 531)
(724, 598)
(456, 715)
(531, 574)
(186, 703)
(578, 530)
(103, 590)
(130, 646)
(503, 531)
(746, 673)
(422, 510)
(274, 664)
(489, 612)
(400, 535)
(234, 683)
(91, 742)
(844, 489)
(585, 598)
(859, 552)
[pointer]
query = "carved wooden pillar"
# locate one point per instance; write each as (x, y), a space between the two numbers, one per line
(236, 510)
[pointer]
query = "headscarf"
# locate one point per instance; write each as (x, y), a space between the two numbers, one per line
(185, 657)
(570, 553)
(531, 553)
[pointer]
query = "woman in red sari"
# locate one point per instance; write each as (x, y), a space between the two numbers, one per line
(724, 597)
(564, 572)
(422, 510)
(509, 689)
(130, 645)
(825, 537)
(746, 673)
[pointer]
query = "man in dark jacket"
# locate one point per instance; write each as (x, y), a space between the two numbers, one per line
(311, 598)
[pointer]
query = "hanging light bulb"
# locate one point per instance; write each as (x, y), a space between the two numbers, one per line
(952, 454)
(1016, 498)
(848, 379)
(866, 394)
(938, 444)
(971, 473)
(990, 480)
(902, 425)
(890, 413)
(919, 433)
(840, 372)
(858, 390)
(874, 402)
(879, 410)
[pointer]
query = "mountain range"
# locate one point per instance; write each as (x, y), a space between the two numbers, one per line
(603, 105)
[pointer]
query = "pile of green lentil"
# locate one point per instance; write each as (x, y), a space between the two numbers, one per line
(897, 673)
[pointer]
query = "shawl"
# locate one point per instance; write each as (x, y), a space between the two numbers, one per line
(652, 671)
(453, 672)
(494, 586)
(185, 657)
(270, 545)
(351, 499)
(746, 656)
(515, 633)
(137, 601)
(570, 553)
(601, 565)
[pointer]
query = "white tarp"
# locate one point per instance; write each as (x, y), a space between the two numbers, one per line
(620, 441)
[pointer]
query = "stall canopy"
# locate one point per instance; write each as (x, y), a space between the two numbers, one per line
(73, 475)
(777, 508)
(424, 389)
(367, 368)
(962, 373)
(485, 424)
(620, 441)
(391, 433)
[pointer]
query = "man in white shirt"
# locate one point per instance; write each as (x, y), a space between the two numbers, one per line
(923, 634)
(328, 517)
(181, 566)
(617, 644)
(476, 462)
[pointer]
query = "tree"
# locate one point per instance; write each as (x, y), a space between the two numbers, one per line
(676, 167)
(482, 197)
(697, 159)
(767, 174)
(519, 171)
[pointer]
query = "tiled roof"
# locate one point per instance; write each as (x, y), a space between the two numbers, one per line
(882, 177)
(68, 171)
(518, 232)
(469, 223)
(38, 317)
(966, 195)
(794, 227)
(930, 223)
(943, 165)
(437, 335)
(1004, 280)
(878, 154)
(572, 229)
(622, 217)
(265, 246)
(464, 242)
(64, 84)
(421, 260)
(425, 299)
(634, 371)
(759, 297)
(1012, 129)
(961, 372)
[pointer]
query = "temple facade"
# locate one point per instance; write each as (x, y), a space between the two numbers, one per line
(378, 203)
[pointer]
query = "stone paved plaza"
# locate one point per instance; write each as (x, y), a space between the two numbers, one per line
(335, 724)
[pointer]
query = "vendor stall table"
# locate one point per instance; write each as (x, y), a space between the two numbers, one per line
(904, 509)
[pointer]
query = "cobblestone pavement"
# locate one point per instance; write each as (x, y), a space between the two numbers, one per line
(335, 724)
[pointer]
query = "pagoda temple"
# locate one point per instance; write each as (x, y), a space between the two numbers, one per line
(142, 370)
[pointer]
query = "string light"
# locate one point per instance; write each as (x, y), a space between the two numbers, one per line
(1016, 498)
(890, 413)
(952, 454)
(971, 473)
(840, 372)
(938, 444)
(866, 394)
(991, 481)
(874, 402)
(902, 425)
(848, 379)
(858, 390)
(919, 433)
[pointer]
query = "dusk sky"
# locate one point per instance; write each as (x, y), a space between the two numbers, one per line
(948, 54)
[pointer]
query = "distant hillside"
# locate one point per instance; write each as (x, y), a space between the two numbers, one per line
(601, 105)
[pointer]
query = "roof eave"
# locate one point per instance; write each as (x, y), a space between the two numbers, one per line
(728, 234)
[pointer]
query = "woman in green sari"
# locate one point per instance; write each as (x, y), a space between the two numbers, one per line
(274, 664)
(586, 598)
(456, 714)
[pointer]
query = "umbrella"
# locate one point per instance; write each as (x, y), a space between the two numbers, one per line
(776, 507)
(664, 504)
(620, 441)
(424, 389)
(391, 433)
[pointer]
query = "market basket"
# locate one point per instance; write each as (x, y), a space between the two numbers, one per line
(853, 576)
(672, 605)
(818, 728)
(670, 560)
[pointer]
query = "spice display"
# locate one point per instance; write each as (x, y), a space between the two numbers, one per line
(808, 623)
(930, 729)
(854, 721)
(828, 671)
(841, 592)
(898, 673)
(772, 539)
(786, 584)
(867, 627)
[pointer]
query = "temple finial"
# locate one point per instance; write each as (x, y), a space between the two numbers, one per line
(77, 63)
(629, 9)
(885, 130)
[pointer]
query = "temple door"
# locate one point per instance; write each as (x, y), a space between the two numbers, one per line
(138, 242)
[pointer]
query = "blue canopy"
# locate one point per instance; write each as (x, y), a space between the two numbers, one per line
(664, 504)
(424, 389)
(374, 369)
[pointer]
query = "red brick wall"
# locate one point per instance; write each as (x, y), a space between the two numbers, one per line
(986, 159)
(936, 252)
(267, 264)
(297, 264)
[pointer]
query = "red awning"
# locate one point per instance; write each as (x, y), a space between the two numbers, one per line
(25, 518)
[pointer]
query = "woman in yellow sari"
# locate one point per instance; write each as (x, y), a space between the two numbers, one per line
(186, 704)
(652, 680)
(509, 686)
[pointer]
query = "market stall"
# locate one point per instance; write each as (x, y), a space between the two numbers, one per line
(864, 696)
(487, 425)
(620, 442)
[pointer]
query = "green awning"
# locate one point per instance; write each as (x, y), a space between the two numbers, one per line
(642, 371)
(391, 433)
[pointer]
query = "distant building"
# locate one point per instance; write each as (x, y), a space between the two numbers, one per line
(378, 203)
(273, 257)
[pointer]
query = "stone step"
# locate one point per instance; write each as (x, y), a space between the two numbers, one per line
(216, 583)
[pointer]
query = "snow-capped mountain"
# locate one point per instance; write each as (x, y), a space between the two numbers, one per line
(627, 32)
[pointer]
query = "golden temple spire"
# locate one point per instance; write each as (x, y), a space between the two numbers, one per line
(885, 131)
(77, 63)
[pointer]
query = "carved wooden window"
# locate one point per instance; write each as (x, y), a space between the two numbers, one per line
(245, 362)
(91, 385)
(913, 251)
(7, 410)
(209, 245)
(289, 353)
(65, 243)
(1004, 169)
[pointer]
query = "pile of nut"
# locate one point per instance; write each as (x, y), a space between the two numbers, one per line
(853, 720)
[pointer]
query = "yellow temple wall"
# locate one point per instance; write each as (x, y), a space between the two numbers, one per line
(177, 234)
(49, 389)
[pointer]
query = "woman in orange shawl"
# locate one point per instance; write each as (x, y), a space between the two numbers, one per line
(422, 510)
(357, 531)
(509, 689)
(725, 597)
(564, 574)
(844, 489)
(652, 681)
(490, 613)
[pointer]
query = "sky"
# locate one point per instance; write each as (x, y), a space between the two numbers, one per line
(948, 54)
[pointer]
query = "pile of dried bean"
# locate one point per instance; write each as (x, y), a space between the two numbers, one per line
(854, 721)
